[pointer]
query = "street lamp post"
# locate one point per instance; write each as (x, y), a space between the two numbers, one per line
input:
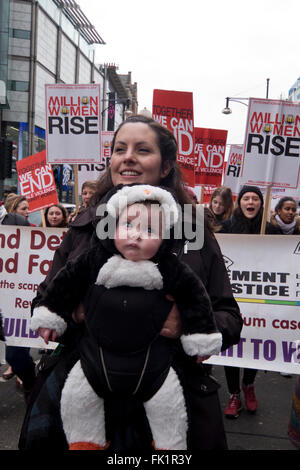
(227, 109)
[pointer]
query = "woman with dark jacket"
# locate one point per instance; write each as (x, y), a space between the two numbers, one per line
(285, 218)
(142, 152)
(246, 219)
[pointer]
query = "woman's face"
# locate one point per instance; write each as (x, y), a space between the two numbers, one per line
(250, 204)
(55, 216)
(288, 212)
(217, 205)
(22, 209)
(86, 195)
(136, 156)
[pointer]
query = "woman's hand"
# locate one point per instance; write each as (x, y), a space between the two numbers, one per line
(201, 359)
(172, 327)
(47, 334)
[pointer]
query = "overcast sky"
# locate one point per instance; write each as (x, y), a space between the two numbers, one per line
(213, 48)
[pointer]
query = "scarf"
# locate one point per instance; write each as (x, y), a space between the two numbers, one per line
(3, 213)
(287, 229)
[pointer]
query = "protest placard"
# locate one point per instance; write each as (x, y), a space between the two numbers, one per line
(210, 147)
(174, 110)
(92, 171)
(73, 123)
(272, 144)
(233, 169)
(36, 181)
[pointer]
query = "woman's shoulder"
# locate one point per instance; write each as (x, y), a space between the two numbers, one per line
(272, 228)
(297, 228)
(84, 218)
(15, 219)
(226, 225)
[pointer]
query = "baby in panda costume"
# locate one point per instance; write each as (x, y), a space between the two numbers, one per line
(123, 284)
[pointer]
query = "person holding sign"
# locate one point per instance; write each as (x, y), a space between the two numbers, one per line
(143, 152)
(285, 217)
(246, 218)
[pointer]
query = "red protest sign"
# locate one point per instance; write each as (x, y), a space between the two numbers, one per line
(174, 110)
(36, 181)
(210, 147)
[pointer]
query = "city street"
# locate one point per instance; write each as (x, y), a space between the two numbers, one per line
(266, 430)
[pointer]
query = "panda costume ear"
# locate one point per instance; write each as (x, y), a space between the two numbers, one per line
(129, 195)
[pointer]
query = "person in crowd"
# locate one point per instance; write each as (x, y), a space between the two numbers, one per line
(221, 204)
(246, 219)
(9, 199)
(88, 190)
(20, 206)
(143, 152)
(285, 217)
(56, 216)
(19, 359)
(192, 195)
(142, 262)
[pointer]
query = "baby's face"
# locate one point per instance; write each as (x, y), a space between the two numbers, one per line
(139, 231)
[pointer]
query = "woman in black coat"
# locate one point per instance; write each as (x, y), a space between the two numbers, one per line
(285, 218)
(143, 152)
(246, 219)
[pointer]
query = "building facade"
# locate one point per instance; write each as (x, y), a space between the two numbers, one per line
(46, 42)
(294, 91)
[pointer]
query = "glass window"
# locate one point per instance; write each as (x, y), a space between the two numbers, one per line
(14, 85)
(19, 33)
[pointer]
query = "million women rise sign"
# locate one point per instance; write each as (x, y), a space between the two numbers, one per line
(272, 144)
(73, 123)
(174, 110)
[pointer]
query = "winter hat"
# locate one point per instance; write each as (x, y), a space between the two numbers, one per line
(250, 189)
(141, 193)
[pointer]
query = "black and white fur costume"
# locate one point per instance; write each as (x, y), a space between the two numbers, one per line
(121, 351)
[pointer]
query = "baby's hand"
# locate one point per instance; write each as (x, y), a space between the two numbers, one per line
(47, 334)
(172, 327)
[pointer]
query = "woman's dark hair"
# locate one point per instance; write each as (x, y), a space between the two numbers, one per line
(168, 149)
(280, 203)
(64, 222)
(226, 196)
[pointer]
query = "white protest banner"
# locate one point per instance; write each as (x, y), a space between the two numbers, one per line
(73, 123)
(272, 144)
(265, 277)
(233, 169)
(26, 257)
